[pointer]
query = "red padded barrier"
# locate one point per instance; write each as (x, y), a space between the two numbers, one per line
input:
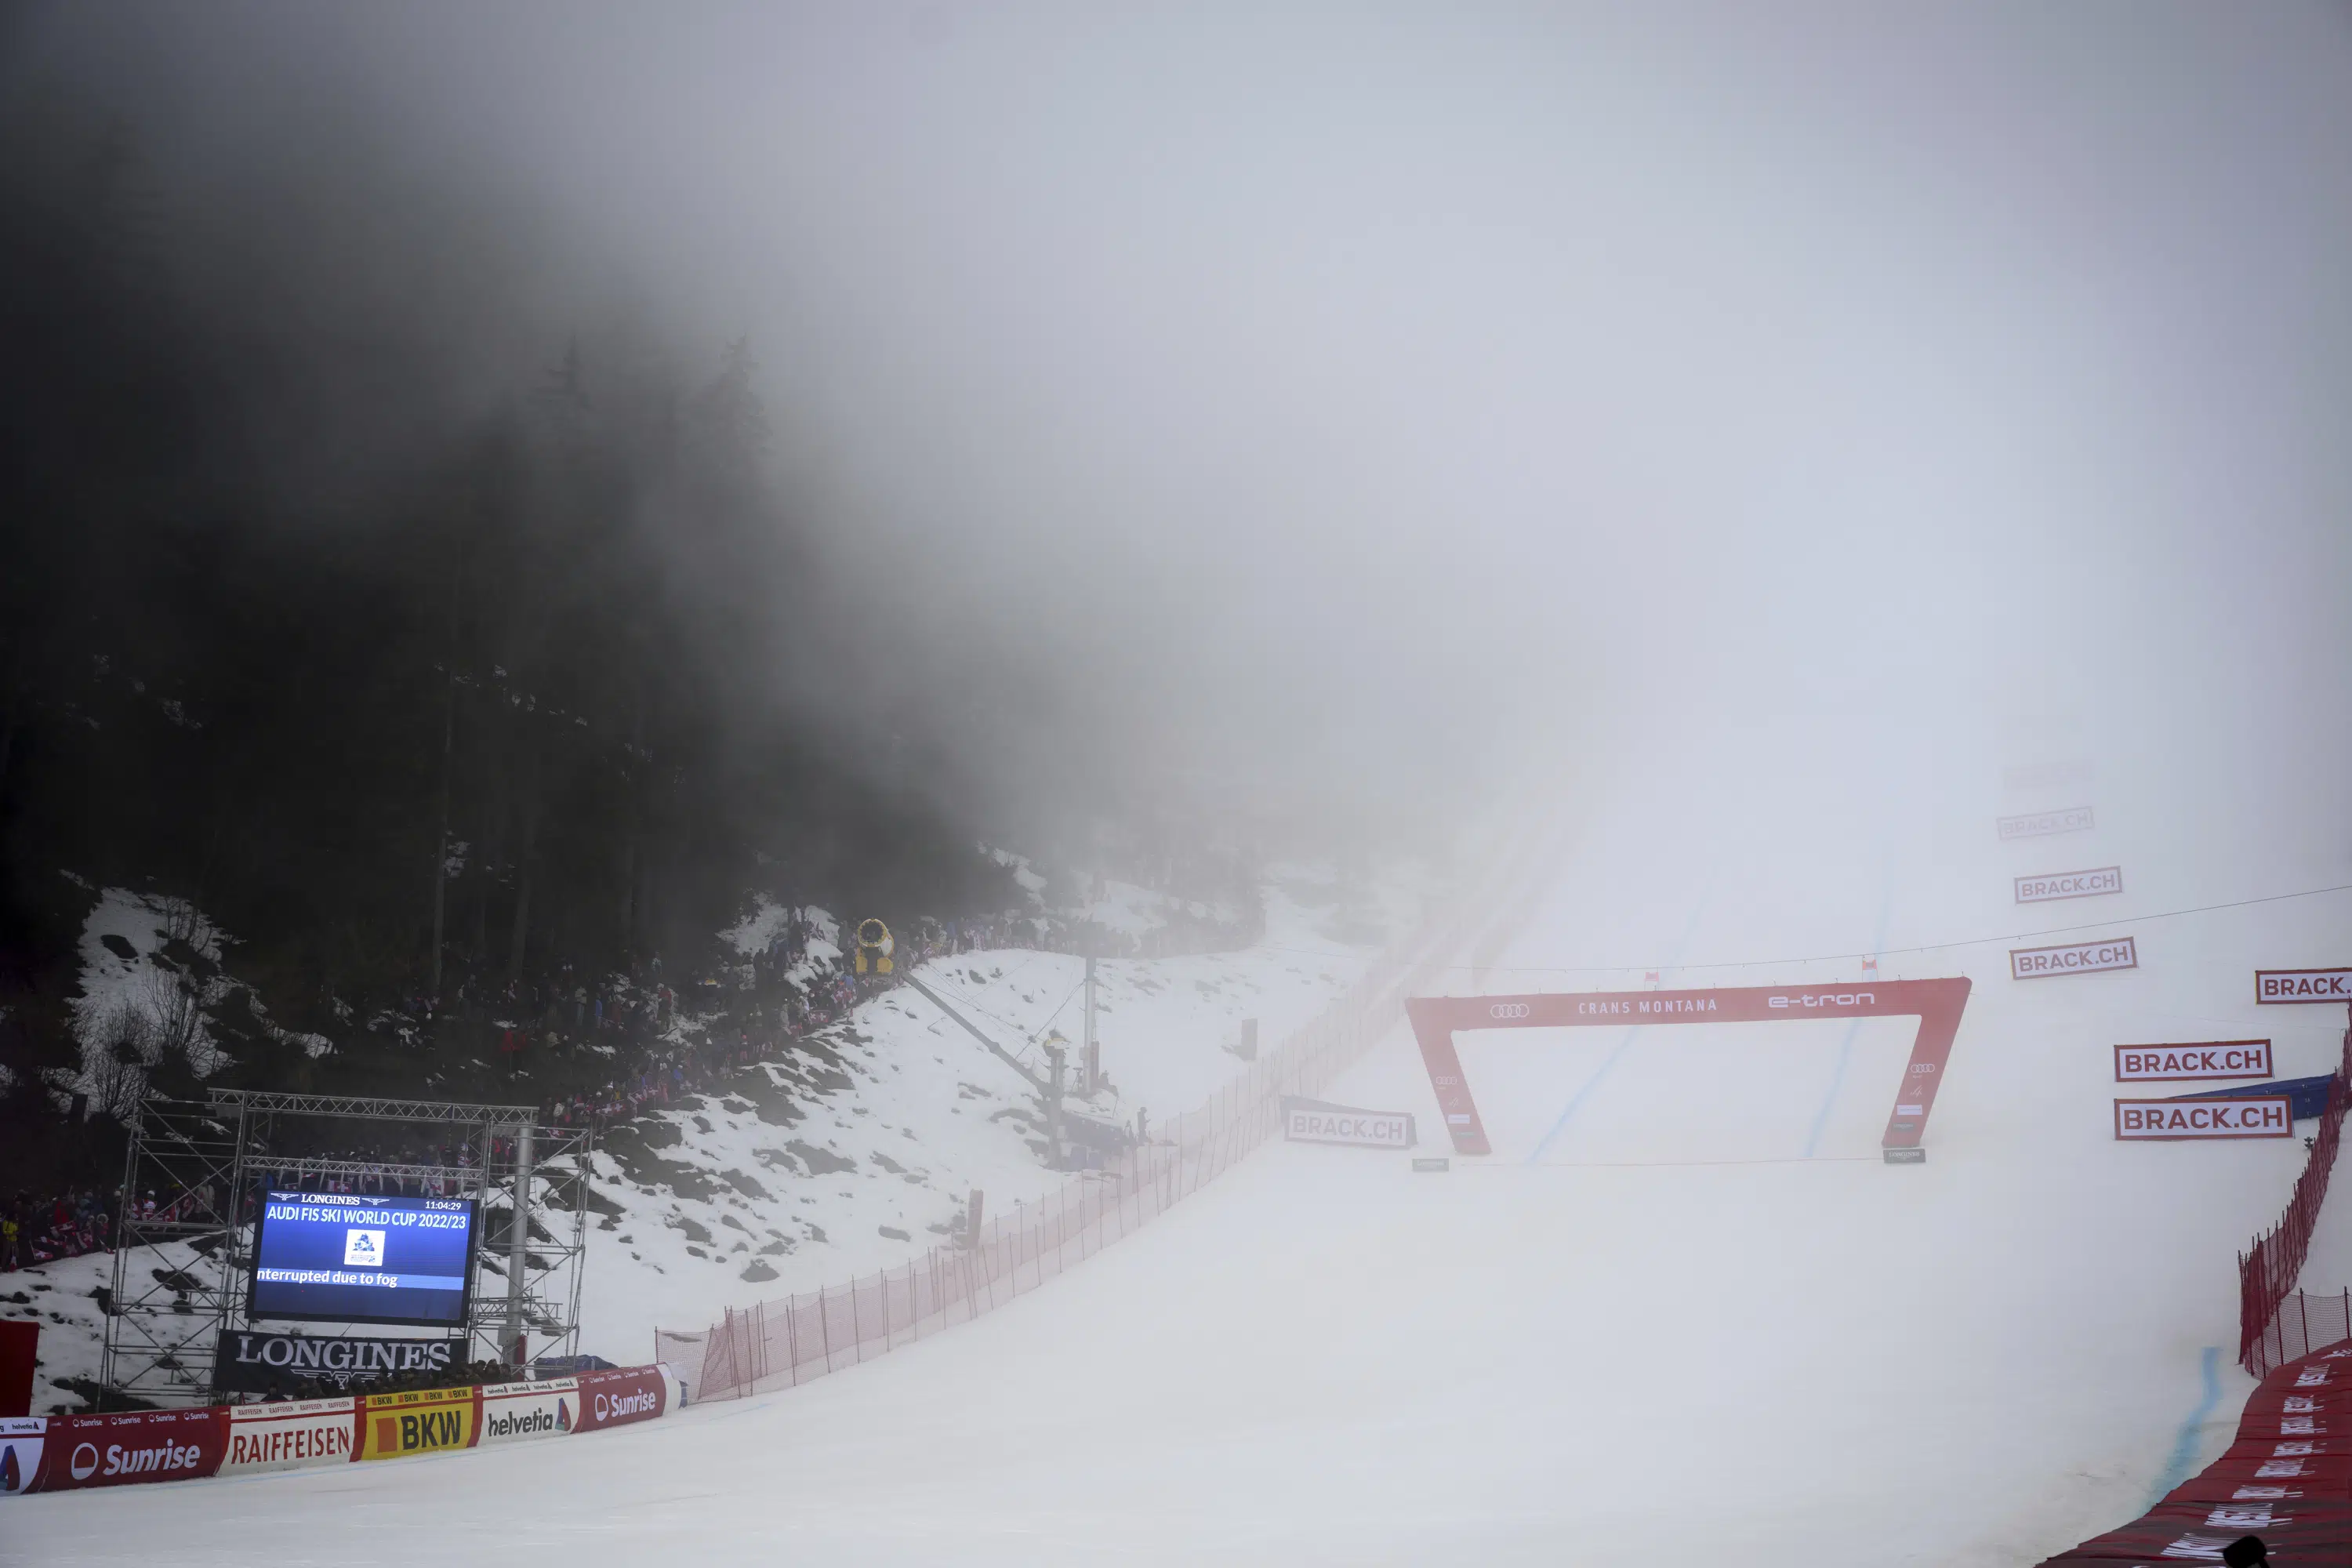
(2287, 1479)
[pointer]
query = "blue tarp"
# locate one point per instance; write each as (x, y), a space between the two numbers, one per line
(2308, 1097)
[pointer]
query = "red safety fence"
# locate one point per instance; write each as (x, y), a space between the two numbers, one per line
(2304, 1325)
(784, 1343)
(2270, 1270)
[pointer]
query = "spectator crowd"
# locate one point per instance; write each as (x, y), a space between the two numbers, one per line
(42, 1230)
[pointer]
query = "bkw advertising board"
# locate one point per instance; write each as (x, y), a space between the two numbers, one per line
(418, 1421)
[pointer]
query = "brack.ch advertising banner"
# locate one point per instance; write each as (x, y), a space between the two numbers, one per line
(1315, 1121)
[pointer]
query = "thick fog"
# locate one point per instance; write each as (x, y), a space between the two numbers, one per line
(1332, 407)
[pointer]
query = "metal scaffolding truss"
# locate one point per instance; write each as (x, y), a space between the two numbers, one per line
(371, 1108)
(182, 1268)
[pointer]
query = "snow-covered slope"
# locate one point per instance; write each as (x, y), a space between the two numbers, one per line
(856, 1148)
(870, 1136)
(1682, 1315)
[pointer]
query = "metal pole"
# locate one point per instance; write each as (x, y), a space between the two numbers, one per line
(1053, 1104)
(518, 1235)
(123, 1221)
(232, 1274)
(482, 1209)
(1094, 1048)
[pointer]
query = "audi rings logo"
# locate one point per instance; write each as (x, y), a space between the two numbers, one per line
(1508, 1010)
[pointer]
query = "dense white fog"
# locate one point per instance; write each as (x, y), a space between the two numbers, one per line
(1323, 399)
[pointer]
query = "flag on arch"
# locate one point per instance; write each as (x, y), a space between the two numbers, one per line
(1869, 968)
(1650, 976)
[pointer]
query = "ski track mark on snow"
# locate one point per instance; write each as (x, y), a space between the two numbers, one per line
(2184, 1445)
(1585, 1091)
(1854, 1029)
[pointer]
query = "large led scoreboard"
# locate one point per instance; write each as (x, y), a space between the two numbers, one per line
(360, 1259)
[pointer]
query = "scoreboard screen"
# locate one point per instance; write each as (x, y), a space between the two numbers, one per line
(343, 1258)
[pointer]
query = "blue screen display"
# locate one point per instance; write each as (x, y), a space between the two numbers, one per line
(349, 1259)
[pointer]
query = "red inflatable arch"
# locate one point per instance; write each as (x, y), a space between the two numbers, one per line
(1937, 1005)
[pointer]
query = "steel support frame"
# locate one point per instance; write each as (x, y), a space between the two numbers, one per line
(179, 1276)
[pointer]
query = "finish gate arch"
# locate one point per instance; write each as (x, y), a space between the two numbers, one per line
(1937, 1004)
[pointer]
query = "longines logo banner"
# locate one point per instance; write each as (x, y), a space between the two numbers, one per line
(251, 1362)
(2068, 819)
